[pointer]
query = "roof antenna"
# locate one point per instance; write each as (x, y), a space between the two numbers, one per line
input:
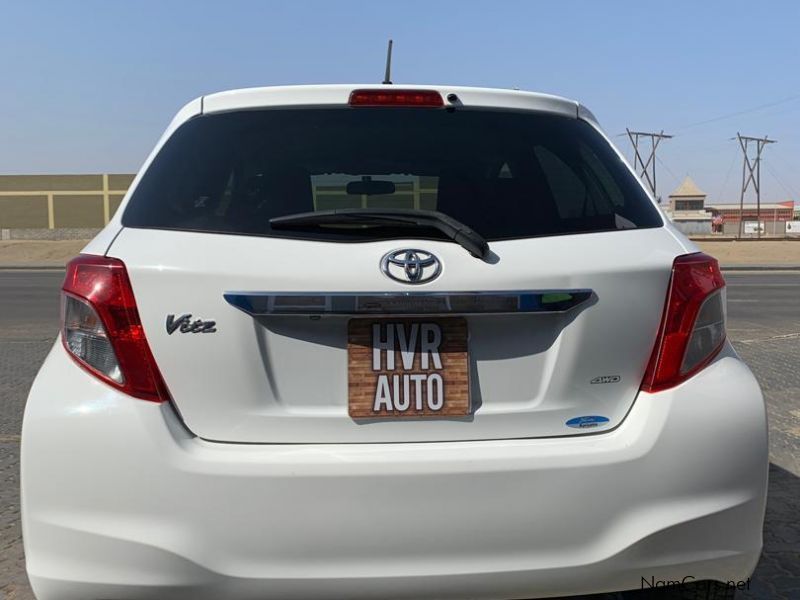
(387, 80)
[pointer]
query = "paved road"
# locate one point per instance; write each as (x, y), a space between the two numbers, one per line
(763, 304)
(763, 322)
(29, 304)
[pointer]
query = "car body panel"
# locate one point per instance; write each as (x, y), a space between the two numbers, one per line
(145, 509)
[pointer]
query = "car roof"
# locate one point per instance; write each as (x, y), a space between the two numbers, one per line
(338, 95)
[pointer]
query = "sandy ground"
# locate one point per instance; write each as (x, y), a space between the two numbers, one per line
(19, 253)
(753, 253)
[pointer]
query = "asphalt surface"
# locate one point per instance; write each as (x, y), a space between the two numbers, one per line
(763, 322)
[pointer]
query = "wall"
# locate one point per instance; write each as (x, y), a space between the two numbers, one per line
(694, 227)
(770, 228)
(60, 201)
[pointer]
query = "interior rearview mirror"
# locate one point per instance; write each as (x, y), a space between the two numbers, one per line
(370, 187)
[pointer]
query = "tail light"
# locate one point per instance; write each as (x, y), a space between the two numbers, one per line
(381, 97)
(101, 329)
(692, 329)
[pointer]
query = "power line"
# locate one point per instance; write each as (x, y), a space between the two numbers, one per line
(739, 113)
(727, 177)
(722, 117)
(663, 164)
(786, 187)
(777, 161)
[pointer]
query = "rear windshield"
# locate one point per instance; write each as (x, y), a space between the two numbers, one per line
(505, 174)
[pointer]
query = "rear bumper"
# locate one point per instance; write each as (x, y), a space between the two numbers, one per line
(119, 501)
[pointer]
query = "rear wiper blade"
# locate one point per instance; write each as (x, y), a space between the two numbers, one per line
(472, 241)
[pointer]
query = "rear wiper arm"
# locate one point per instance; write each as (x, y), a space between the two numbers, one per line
(472, 241)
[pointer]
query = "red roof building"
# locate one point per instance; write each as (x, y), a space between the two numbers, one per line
(770, 212)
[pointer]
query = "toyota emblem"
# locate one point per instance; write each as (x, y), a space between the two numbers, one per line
(410, 265)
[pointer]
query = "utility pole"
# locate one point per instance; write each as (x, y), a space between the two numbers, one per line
(646, 168)
(751, 173)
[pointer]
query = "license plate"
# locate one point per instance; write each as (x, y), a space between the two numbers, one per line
(408, 367)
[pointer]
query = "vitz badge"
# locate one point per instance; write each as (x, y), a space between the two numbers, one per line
(184, 324)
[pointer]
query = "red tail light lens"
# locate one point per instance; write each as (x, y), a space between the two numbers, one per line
(396, 98)
(101, 329)
(693, 326)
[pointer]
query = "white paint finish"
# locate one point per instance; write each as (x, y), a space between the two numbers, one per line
(284, 379)
(102, 241)
(138, 508)
(119, 499)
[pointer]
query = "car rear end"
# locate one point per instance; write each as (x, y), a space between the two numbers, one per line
(245, 404)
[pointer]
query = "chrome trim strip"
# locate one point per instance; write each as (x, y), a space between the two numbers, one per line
(260, 304)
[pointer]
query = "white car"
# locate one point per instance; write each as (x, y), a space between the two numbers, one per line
(390, 342)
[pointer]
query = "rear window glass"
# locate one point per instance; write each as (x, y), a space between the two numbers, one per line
(505, 174)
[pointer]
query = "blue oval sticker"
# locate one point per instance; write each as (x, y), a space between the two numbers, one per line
(587, 422)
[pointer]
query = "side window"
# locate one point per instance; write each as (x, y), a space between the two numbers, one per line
(608, 187)
(583, 187)
(567, 188)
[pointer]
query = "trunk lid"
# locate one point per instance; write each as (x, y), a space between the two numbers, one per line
(284, 378)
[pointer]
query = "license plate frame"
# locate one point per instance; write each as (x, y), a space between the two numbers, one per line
(392, 393)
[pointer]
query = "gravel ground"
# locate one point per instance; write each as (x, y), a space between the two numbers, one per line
(749, 252)
(56, 253)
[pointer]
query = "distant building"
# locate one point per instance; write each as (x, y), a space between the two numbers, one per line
(773, 217)
(686, 209)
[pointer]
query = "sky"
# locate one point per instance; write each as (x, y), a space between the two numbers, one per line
(88, 86)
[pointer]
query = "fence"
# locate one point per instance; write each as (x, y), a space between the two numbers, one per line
(60, 201)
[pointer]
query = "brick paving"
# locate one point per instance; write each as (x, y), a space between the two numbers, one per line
(19, 362)
(776, 363)
(773, 356)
